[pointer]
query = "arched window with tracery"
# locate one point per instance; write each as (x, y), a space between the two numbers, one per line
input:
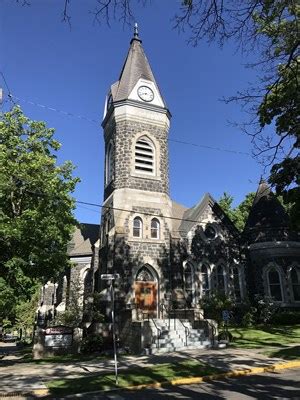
(189, 283)
(236, 283)
(144, 157)
(205, 284)
(144, 275)
(155, 231)
(137, 227)
(274, 282)
(221, 279)
(109, 163)
(295, 281)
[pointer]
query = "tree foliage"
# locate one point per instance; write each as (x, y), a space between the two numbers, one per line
(26, 313)
(36, 220)
(239, 214)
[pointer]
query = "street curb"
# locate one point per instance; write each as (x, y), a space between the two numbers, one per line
(183, 381)
(208, 378)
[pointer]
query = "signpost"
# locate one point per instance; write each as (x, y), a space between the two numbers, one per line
(111, 278)
(226, 317)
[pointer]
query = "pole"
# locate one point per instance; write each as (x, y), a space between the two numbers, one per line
(114, 328)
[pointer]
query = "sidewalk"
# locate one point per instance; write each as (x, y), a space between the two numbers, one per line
(30, 378)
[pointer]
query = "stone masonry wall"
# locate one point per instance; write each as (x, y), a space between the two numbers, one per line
(123, 135)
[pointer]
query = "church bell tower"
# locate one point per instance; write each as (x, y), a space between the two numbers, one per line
(135, 224)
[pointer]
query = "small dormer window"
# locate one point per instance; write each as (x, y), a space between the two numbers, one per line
(144, 156)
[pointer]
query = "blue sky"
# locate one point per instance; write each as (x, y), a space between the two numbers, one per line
(46, 62)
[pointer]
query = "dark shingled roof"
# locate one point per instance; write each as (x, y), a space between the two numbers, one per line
(267, 211)
(84, 237)
(136, 66)
(194, 214)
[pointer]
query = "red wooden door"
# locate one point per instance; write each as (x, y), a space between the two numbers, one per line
(145, 297)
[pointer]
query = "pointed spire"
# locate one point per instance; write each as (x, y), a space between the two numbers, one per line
(263, 190)
(266, 211)
(135, 67)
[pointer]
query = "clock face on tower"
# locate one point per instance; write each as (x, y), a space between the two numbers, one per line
(145, 93)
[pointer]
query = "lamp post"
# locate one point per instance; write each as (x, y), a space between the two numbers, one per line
(112, 278)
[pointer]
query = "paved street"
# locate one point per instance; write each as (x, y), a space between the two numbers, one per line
(17, 376)
(278, 385)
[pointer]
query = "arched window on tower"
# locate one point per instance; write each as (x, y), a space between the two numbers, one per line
(155, 228)
(205, 285)
(137, 227)
(189, 283)
(144, 156)
(274, 282)
(109, 163)
(295, 281)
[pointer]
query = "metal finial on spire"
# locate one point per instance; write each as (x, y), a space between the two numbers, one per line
(262, 180)
(136, 31)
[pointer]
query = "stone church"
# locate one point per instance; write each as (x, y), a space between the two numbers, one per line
(168, 257)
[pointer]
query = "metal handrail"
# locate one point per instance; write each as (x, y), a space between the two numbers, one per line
(186, 331)
(213, 330)
(168, 313)
(158, 330)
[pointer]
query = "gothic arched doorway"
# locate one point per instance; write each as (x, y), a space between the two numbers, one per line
(145, 288)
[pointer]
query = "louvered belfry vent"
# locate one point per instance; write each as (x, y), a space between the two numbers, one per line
(144, 156)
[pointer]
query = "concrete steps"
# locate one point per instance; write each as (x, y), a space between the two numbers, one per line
(180, 336)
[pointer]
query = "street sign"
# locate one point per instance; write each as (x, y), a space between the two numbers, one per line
(226, 315)
(108, 277)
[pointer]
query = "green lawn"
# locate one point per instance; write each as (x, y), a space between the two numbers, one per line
(131, 377)
(277, 341)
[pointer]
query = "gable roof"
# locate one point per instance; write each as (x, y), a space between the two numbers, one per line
(83, 240)
(193, 214)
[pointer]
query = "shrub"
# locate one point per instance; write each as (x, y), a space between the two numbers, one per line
(91, 344)
(214, 305)
(266, 309)
(249, 318)
(286, 318)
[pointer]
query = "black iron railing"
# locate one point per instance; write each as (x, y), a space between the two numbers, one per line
(186, 331)
(158, 330)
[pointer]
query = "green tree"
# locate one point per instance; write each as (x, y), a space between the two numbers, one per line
(242, 211)
(7, 301)
(36, 220)
(225, 202)
(239, 214)
(26, 313)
